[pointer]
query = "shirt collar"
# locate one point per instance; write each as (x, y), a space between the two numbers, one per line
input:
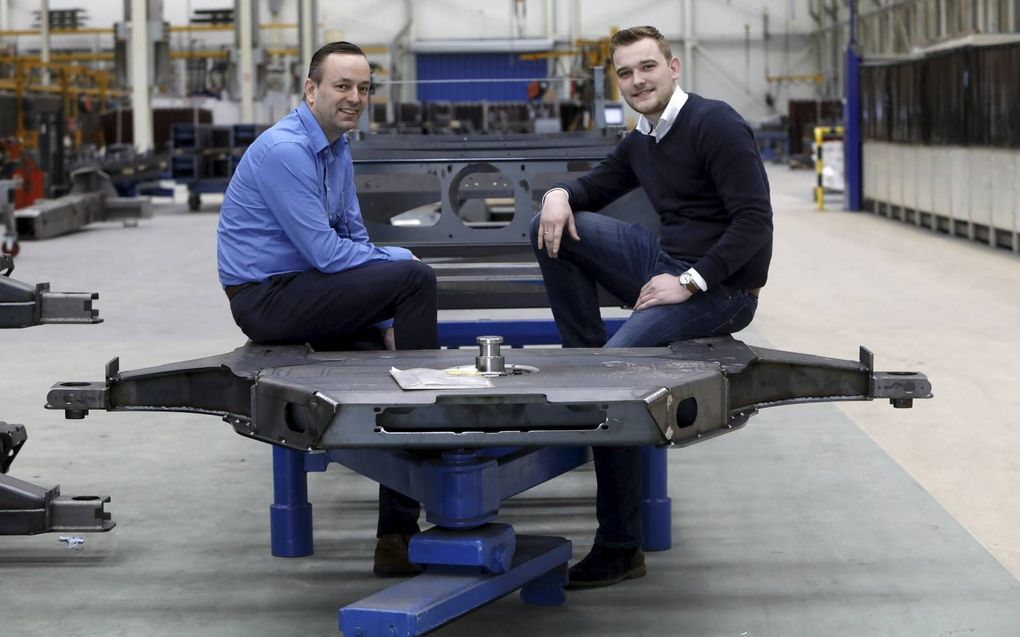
(669, 115)
(315, 134)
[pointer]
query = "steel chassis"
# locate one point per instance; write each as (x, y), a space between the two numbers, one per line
(462, 452)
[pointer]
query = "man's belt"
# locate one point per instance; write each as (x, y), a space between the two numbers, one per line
(232, 290)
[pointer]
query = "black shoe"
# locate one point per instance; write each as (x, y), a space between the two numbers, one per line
(604, 566)
(391, 557)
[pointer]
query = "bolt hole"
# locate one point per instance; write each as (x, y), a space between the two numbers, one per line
(686, 412)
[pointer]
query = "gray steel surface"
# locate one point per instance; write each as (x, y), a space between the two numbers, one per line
(291, 396)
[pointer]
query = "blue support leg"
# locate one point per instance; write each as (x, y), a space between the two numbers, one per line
(852, 125)
(290, 516)
(656, 508)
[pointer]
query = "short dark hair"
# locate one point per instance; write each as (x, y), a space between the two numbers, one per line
(341, 47)
(635, 34)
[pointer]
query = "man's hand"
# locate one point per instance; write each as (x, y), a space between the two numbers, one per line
(662, 289)
(555, 216)
(389, 340)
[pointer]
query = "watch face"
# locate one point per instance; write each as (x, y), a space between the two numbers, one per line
(686, 278)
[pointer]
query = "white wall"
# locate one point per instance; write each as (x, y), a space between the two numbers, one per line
(721, 65)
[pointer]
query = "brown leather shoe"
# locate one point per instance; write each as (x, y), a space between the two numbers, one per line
(391, 557)
(604, 566)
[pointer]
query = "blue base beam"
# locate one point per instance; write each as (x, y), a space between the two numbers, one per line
(443, 593)
(490, 547)
(515, 333)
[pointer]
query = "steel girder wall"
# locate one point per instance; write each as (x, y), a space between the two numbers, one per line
(942, 142)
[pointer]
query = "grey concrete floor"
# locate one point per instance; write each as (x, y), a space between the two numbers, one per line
(852, 519)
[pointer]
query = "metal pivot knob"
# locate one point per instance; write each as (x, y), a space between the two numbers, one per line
(489, 360)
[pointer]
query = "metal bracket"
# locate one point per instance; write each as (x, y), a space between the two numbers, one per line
(28, 509)
(25, 305)
(12, 439)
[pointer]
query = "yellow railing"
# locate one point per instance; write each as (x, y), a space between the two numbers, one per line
(820, 133)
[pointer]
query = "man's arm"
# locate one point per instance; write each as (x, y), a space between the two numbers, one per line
(556, 216)
(290, 183)
(731, 158)
(600, 186)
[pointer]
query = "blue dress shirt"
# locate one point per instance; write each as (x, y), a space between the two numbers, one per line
(291, 207)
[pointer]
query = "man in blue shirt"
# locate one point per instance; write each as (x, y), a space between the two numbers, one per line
(699, 276)
(295, 258)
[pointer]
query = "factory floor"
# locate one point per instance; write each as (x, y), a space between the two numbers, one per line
(828, 519)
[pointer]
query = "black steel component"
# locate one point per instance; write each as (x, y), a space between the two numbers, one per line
(386, 188)
(578, 397)
(405, 172)
(12, 439)
(25, 305)
(25, 508)
(782, 378)
(28, 509)
(465, 204)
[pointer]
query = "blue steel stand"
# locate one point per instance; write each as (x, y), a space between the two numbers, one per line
(464, 570)
(852, 118)
(469, 560)
(290, 516)
(656, 507)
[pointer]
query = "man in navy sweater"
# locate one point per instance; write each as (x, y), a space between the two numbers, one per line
(700, 276)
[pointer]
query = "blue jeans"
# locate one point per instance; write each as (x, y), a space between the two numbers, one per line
(622, 258)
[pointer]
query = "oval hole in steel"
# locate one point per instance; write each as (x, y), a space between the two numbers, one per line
(686, 412)
(295, 417)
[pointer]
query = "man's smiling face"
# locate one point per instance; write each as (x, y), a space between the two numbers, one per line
(339, 99)
(646, 78)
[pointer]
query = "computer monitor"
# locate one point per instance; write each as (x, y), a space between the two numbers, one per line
(614, 114)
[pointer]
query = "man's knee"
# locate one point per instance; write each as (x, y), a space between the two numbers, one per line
(418, 275)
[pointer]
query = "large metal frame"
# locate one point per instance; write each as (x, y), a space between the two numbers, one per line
(461, 452)
(304, 400)
(478, 265)
(401, 172)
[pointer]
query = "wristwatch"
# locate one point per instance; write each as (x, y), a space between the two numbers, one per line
(687, 280)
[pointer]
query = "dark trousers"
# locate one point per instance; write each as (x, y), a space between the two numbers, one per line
(339, 312)
(622, 258)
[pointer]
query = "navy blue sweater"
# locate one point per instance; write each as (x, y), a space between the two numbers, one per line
(707, 183)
